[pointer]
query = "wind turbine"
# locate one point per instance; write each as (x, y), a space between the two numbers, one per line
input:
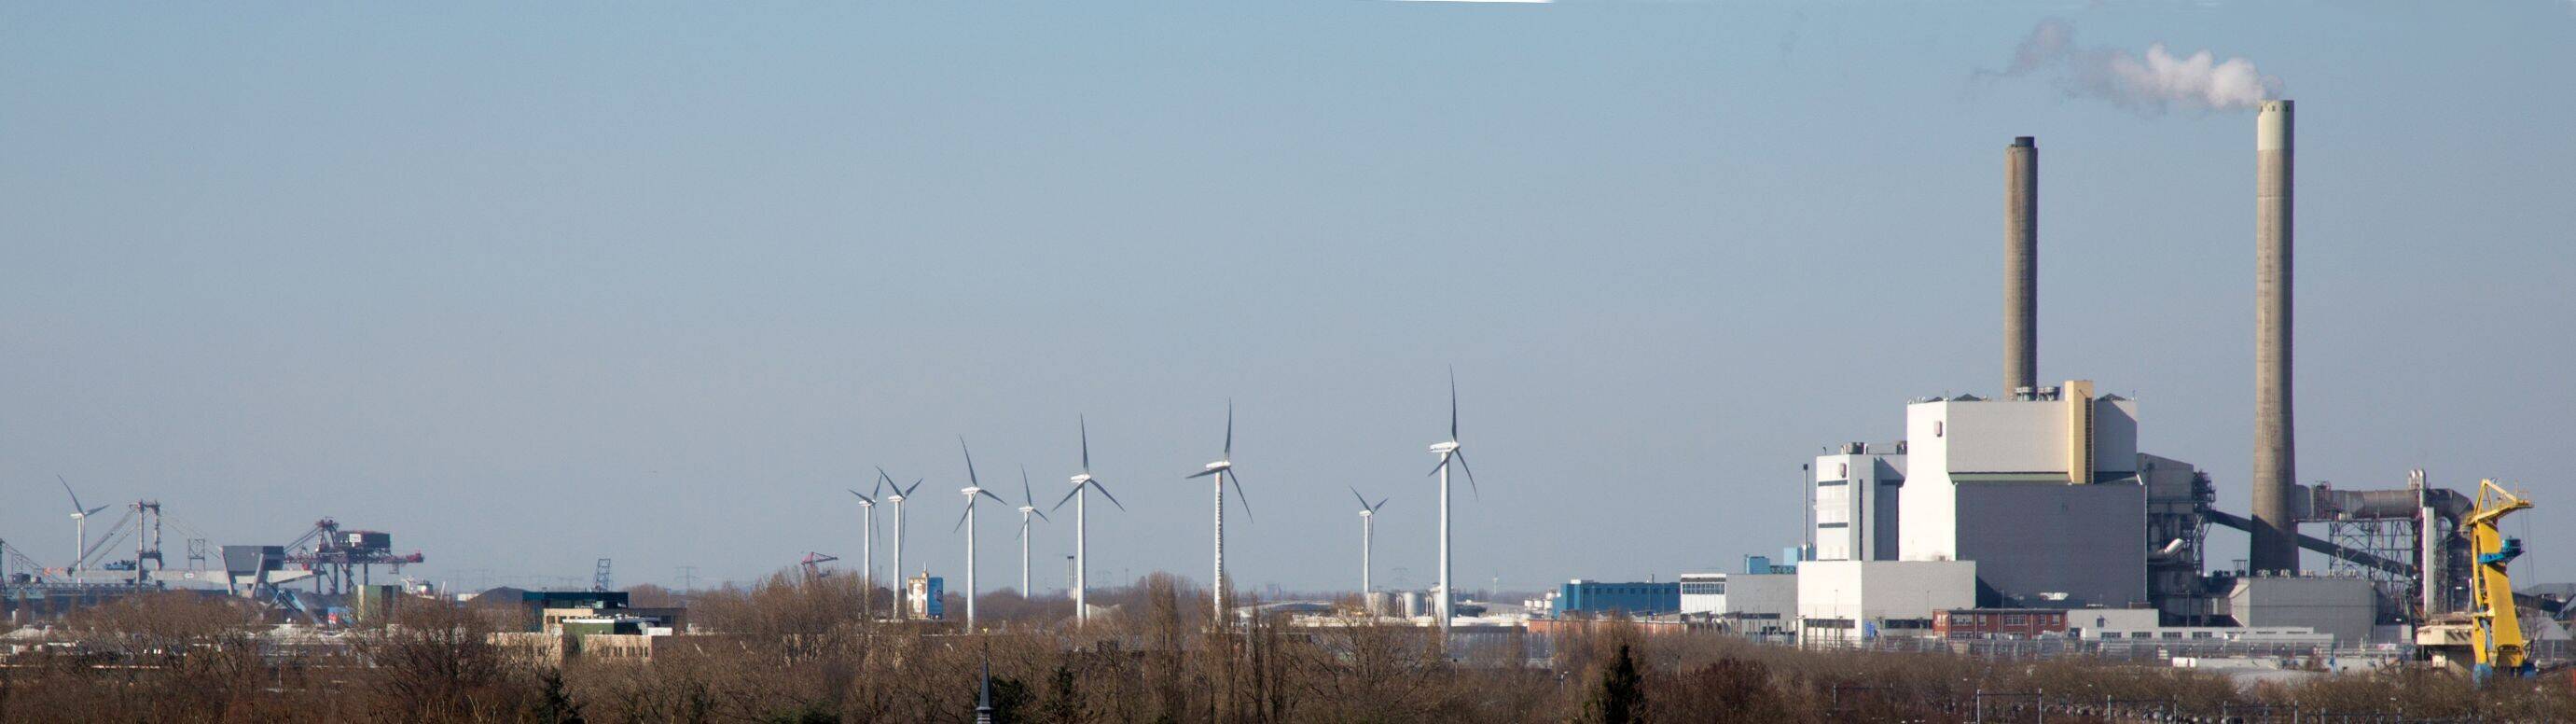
(900, 494)
(868, 544)
(1449, 450)
(1368, 535)
(1028, 507)
(974, 487)
(80, 527)
(1082, 526)
(1223, 469)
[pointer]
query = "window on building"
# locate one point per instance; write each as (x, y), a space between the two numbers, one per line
(2110, 634)
(1936, 428)
(2015, 619)
(2200, 634)
(2172, 635)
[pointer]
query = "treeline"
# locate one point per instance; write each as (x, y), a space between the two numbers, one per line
(792, 650)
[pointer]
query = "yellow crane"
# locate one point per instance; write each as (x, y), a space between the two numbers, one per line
(2500, 645)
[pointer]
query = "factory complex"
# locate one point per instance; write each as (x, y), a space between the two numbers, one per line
(2032, 514)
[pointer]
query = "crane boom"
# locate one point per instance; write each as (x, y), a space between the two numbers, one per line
(2500, 644)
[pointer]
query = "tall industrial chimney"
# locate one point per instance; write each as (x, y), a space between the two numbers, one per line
(2021, 267)
(2275, 546)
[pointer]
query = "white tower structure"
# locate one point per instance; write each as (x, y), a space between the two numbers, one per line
(1222, 469)
(1082, 525)
(1028, 508)
(974, 487)
(1368, 537)
(901, 493)
(1448, 450)
(868, 544)
(80, 527)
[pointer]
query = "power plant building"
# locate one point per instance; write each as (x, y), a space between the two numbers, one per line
(2042, 492)
(1856, 503)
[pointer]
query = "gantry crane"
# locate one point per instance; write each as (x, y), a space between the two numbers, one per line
(2500, 645)
(813, 564)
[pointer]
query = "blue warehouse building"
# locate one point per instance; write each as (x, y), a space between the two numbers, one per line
(1602, 598)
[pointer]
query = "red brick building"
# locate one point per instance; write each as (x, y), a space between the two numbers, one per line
(1997, 623)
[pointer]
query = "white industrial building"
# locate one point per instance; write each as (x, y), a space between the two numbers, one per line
(2042, 492)
(1846, 601)
(1856, 499)
(1747, 603)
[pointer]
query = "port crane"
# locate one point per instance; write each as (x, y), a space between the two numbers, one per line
(2500, 644)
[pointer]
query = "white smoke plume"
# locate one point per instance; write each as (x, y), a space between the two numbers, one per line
(2150, 84)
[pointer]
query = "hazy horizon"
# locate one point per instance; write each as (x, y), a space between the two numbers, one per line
(529, 286)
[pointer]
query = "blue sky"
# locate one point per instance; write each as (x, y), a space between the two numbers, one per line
(530, 286)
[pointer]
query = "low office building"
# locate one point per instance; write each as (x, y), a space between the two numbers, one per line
(1604, 598)
(1998, 623)
(1848, 602)
(1703, 594)
(2345, 608)
(1761, 604)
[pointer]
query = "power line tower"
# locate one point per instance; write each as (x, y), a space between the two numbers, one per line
(599, 578)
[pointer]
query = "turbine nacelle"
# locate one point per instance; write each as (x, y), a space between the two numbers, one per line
(1078, 480)
(970, 491)
(1444, 448)
(1218, 465)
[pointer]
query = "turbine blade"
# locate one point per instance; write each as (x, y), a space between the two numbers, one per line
(916, 485)
(1237, 482)
(67, 490)
(1201, 474)
(1068, 497)
(1024, 530)
(1104, 492)
(1229, 428)
(1042, 516)
(1086, 443)
(1355, 493)
(970, 462)
(94, 511)
(989, 494)
(1435, 467)
(961, 517)
(1471, 473)
(1381, 503)
(1453, 403)
(871, 501)
(882, 480)
(1027, 496)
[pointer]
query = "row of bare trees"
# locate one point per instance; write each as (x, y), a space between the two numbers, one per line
(796, 650)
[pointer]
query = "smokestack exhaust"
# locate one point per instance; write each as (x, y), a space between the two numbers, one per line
(2275, 545)
(2021, 268)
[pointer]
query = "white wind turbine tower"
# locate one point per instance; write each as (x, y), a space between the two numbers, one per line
(1368, 537)
(900, 494)
(1223, 469)
(1028, 507)
(974, 487)
(1449, 450)
(1081, 526)
(80, 527)
(868, 544)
